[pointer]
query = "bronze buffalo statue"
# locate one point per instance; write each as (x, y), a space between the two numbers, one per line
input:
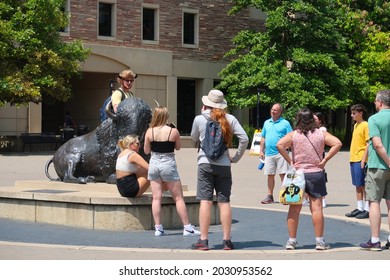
(92, 157)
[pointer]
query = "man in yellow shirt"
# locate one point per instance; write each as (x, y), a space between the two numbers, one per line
(358, 158)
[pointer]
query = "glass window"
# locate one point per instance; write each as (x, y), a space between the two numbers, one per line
(148, 24)
(105, 19)
(189, 28)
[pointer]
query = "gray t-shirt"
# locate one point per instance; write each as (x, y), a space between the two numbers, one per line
(198, 131)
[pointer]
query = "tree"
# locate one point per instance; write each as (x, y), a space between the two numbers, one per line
(302, 59)
(366, 25)
(35, 61)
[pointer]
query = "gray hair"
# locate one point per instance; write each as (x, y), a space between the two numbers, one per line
(280, 105)
(384, 96)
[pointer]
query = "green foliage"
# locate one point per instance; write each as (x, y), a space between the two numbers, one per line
(250, 131)
(366, 27)
(375, 61)
(306, 57)
(35, 61)
(339, 133)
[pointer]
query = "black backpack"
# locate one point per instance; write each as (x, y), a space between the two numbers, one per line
(103, 115)
(213, 144)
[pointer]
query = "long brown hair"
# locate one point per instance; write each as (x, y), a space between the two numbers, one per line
(160, 116)
(220, 116)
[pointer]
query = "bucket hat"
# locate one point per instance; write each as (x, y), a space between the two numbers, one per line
(214, 99)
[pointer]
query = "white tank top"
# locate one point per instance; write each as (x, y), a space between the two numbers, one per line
(123, 164)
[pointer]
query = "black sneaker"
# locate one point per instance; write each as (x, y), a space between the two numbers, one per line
(201, 245)
(228, 245)
(369, 246)
(354, 213)
(363, 215)
(387, 245)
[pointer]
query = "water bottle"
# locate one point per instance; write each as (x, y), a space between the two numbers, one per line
(261, 164)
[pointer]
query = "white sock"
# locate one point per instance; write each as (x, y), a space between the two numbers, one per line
(189, 227)
(360, 205)
(367, 206)
(388, 238)
(320, 239)
(374, 239)
(159, 227)
(292, 239)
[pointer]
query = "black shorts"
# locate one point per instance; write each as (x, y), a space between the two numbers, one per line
(315, 184)
(128, 186)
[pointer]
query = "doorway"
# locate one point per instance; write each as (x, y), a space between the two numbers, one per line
(185, 105)
(52, 116)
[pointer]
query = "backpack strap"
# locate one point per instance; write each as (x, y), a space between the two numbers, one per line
(199, 146)
(124, 94)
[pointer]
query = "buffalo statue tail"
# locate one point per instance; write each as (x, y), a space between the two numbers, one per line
(50, 161)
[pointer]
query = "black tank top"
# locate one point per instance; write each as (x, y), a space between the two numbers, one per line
(162, 146)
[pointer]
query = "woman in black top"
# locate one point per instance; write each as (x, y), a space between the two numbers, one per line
(161, 141)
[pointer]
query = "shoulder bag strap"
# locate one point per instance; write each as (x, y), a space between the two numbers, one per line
(313, 148)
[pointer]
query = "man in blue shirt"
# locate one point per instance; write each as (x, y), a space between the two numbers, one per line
(273, 129)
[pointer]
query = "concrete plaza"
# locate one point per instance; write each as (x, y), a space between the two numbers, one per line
(258, 231)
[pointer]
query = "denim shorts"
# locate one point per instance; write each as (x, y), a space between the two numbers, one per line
(162, 167)
(214, 177)
(357, 173)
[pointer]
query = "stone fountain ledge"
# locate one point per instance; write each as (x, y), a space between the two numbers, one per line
(92, 206)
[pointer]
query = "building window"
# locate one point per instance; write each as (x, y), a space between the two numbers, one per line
(149, 24)
(190, 28)
(106, 19)
(66, 10)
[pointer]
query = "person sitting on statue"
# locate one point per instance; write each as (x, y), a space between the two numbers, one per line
(126, 80)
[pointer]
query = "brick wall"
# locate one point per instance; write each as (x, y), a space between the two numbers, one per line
(216, 27)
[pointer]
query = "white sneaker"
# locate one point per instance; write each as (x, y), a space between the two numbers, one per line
(324, 203)
(305, 202)
(291, 245)
(320, 246)
(159, 231)
(190, 231)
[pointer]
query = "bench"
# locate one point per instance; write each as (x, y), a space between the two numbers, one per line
(40, 138)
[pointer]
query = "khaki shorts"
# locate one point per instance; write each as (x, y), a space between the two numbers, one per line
(377, 184)
(275, 165)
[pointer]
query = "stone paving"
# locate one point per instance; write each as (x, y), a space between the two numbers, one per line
(258, 231)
